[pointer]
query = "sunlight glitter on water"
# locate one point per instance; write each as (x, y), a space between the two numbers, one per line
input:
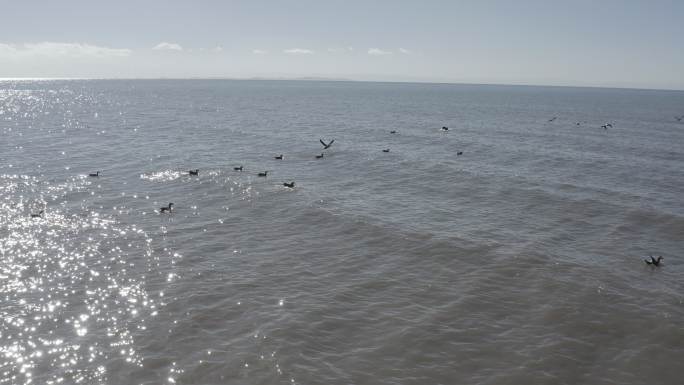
(67, 277)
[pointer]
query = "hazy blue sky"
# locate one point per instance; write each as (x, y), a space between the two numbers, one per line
(621, 43)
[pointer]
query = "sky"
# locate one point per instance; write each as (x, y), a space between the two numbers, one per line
(606, 43)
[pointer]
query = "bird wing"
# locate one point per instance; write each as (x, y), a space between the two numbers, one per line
(331, 142)
(322, 142)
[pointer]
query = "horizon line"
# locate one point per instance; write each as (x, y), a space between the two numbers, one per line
(335, 79)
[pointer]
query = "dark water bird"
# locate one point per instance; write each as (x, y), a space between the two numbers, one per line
(290, 185)
(385, 150)
(445, 128)
(605, 126)
(459, 153)
(265, 173)
(320, 156)
(653, 261)
(326, 145)
(578, 123)
(39, 215)
(552, 119)
(279, 157)
(193, 172)
(97, 174)
(679, 118)
(238, 168)
(393, 132)
(168, 208)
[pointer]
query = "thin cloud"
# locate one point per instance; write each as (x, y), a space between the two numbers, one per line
(337, 50)
(52, 49)
(378, 52)
(405, 51)
(259, 52)
(299, 51)
(164, 46)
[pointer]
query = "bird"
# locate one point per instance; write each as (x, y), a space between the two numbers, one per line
(578, 123)
(97, 174)
(605, 126)
(279, 157)
(265, 173)
(393, 132)
(319, 156)
(679, 118)
(237, 168)
(653, 261)
(459, 153)
(290, 185)
(326, 145)
(445, 128)
(39, 215)
(166, 208)
(552, 119)
(385, 150)
(193, 172)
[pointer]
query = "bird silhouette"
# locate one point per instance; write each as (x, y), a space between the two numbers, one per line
(320, 156)
(97, 174)
(39, 215)
(265, 173)
(653, 261)
(290, 185)
(445, 128)
(326, 145)
(193, 172)
(279, 157)
(393, 132)
(459, 153)
(238, 168)
(385, 150)
(168, 208)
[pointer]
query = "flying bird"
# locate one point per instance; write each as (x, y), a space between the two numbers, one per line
(326, 146)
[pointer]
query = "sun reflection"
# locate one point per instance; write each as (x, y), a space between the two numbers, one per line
(71, 299)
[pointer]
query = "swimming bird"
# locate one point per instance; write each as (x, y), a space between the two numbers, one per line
(653, 261)
(290, 185)
(319, 156)
(39, 215)
(552, 119)
(393, 132)
(237, 168)
(166, 208)
(265, 173)
(97, 174)
(578, 123)
(193, 172)
(326, 145)
(679, 118)
(445, 128)
(279, 157)
(605, 126)
(459, 153)
(385, 150)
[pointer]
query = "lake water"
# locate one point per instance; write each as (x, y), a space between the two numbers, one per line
(518, 262)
